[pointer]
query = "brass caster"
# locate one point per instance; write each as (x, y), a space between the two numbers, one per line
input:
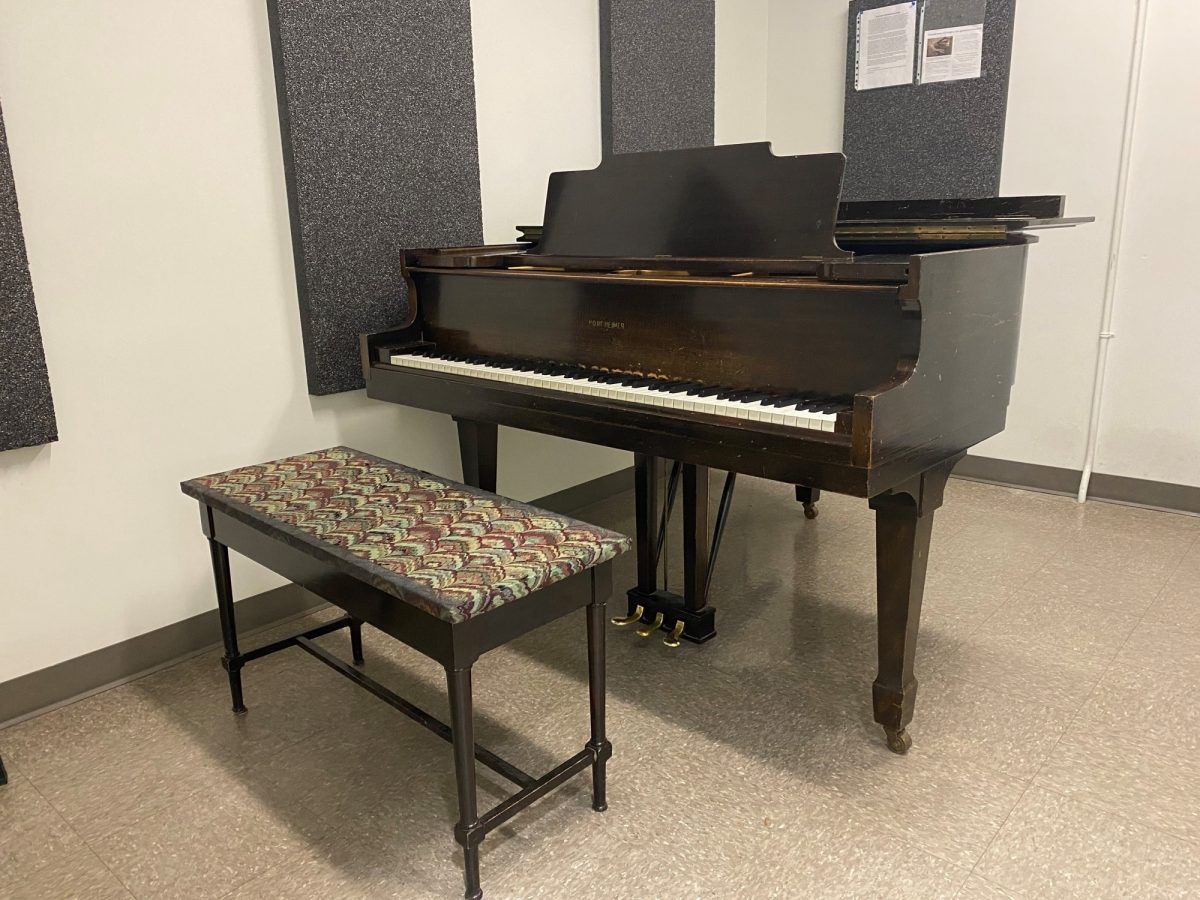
(672, 639)
(898, 741)
(622, 621)
(810, 510)
(647, 630)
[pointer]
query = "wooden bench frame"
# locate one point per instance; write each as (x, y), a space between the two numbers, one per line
(456, 646)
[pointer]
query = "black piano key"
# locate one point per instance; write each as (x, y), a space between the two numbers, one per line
(711, 391)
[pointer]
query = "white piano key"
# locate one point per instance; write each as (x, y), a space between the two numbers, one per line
(751, 411)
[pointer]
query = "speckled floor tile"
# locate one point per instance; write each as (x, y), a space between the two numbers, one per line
(32, 833)
(1165, 648)
(1020, 665)
(105, 787)
(976, 888)
(1053, 846)
(1154, 783)
(75, 877)
(223, 837)
(1139, 704)
(44, 746)
(1070, 626)
(991, 727)
(1178, 604)
(1056, 643)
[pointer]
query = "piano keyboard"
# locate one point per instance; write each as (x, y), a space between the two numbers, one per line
(795, 410)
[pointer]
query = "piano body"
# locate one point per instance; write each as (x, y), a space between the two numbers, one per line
(719, 308)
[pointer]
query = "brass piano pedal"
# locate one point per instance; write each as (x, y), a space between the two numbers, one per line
(647, 630)
(622, 621)
(672, 639)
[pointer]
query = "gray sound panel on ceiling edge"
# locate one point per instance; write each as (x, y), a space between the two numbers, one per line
(26, 405)
(377, 114)
(932, 140)
(657, 74)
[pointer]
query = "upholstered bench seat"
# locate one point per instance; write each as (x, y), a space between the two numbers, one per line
(450, 570)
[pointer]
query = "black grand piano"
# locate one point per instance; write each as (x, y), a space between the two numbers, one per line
(718, 307)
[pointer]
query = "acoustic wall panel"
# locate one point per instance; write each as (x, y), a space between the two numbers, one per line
(942, 139)
(26, 406)
(657, 74)
(377, 111)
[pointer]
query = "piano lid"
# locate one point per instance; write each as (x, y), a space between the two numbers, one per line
(737, 200)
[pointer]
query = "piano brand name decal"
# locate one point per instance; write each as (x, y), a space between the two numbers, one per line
(606, 324)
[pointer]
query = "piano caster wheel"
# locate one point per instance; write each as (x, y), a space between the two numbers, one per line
(898, 741)
(672, 639)
(810, 510)
(647, 630)
(622, 621)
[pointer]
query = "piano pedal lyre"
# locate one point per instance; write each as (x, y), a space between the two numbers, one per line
(647, 630)
(672, 639)
(622, 621)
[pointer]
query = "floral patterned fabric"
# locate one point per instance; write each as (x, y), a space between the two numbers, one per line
(452, 550)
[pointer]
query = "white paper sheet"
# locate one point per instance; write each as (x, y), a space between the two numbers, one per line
(952, 54)
(886, 42)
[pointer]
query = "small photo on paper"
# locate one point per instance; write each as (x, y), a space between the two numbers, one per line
(940, 46)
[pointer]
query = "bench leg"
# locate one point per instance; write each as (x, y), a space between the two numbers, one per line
(599, 743)
(232, 660)
(463, 729)
(356, 650)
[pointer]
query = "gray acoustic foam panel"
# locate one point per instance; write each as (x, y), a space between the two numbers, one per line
(26, 406)
(657, 74)
(935, 140)
(377, 111)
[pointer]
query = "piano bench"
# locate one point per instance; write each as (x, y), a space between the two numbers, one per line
(451, 571)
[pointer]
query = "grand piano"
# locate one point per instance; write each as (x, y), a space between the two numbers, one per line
(719, 307)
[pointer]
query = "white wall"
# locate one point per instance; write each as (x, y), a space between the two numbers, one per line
(537, 86)
(1065, 116)
(146, 152)
(1066, 109)
(1150, 422)
(806, 67)
(740, 114)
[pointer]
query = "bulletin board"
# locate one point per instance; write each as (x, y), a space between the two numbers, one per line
(937, 129)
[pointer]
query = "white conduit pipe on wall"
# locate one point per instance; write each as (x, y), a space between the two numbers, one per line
(1114, 245)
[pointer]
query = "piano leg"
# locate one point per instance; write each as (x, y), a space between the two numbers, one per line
(477, 446)
(809, 497)
(903, 523)
(649, 604)
(3, 774)
(696, 545)
(645, 487)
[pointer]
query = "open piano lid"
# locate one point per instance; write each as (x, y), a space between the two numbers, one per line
(737, 209)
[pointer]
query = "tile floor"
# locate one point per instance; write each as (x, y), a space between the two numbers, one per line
(1055, 739)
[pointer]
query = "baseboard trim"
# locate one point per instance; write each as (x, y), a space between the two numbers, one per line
(1178, 498)
(73, 679)
(1019, 475)
(575, 498)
